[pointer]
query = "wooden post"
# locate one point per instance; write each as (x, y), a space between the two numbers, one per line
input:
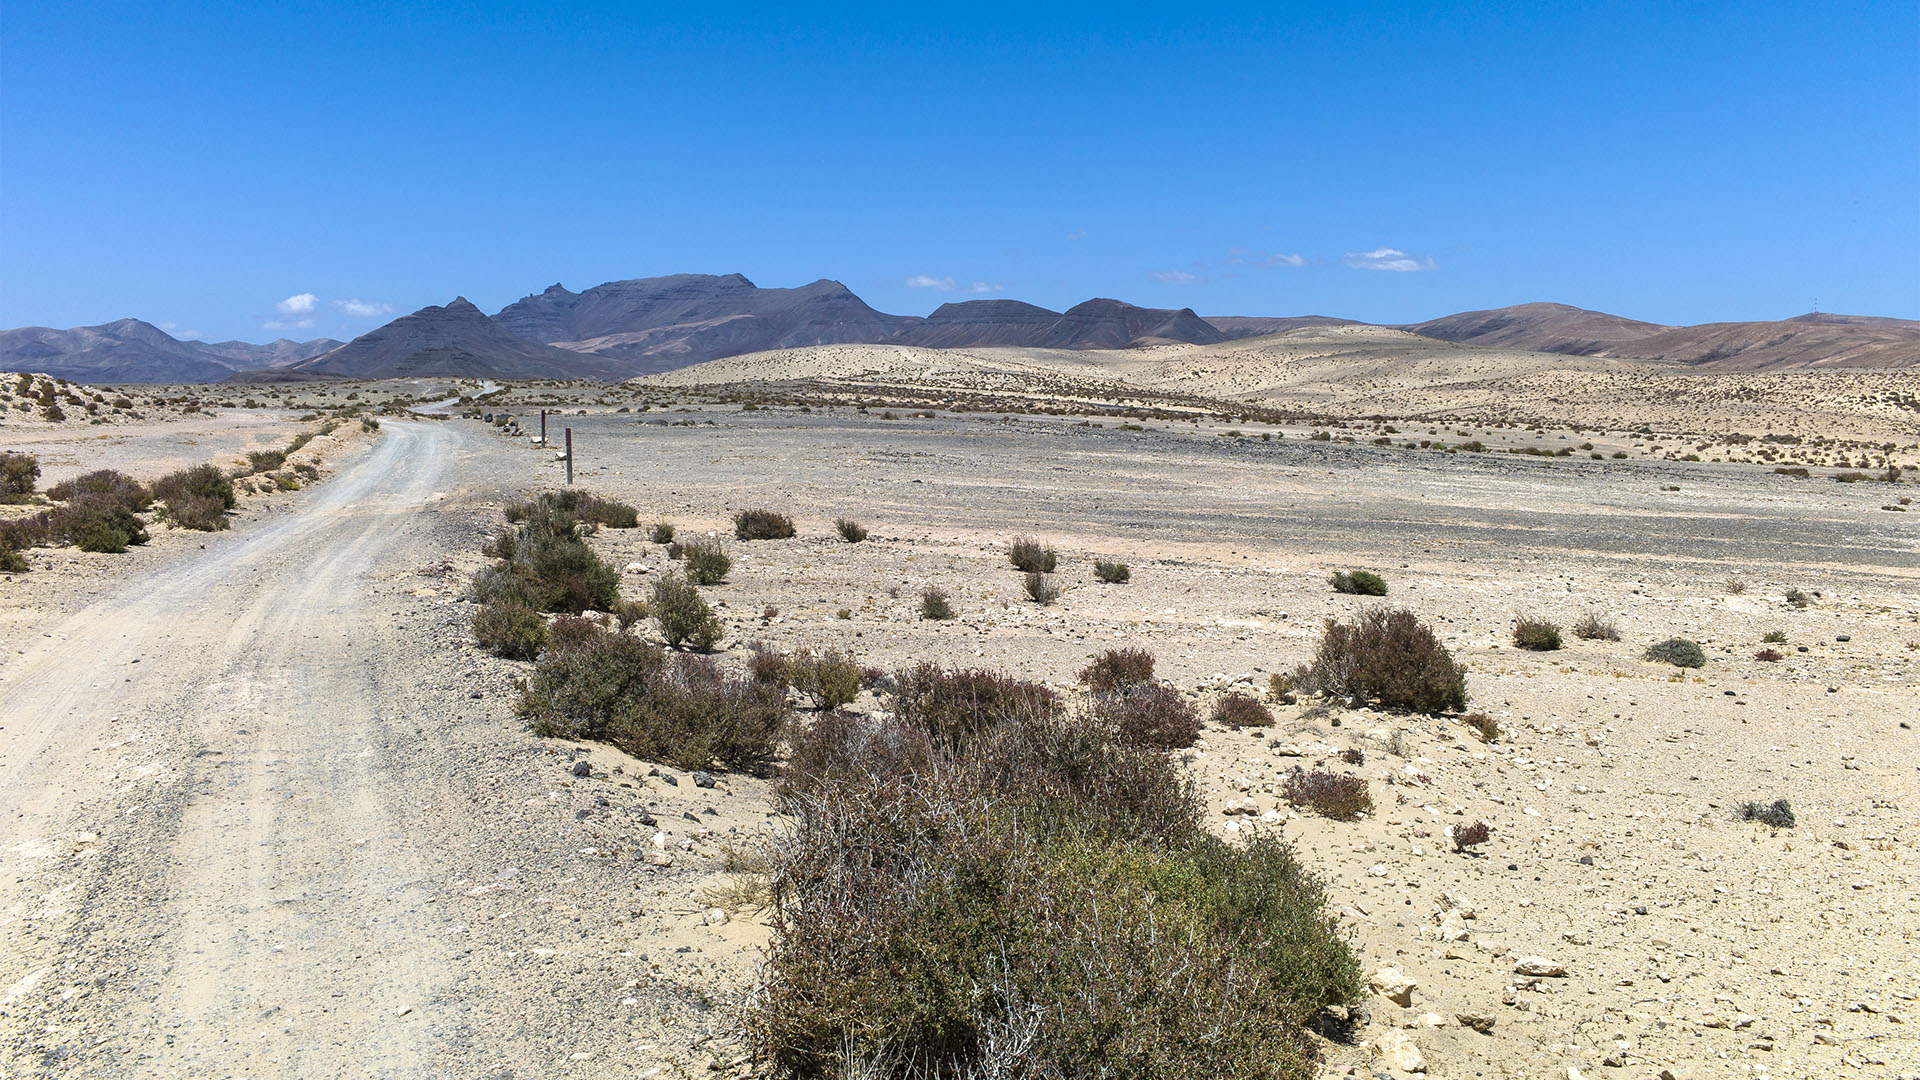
(569, 457)
(543, 427)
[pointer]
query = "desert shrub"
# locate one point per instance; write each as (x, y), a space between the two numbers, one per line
(766, 665)
(1339, 796)
(1386, 656)
(934, 604)
(1281, 688)
(586, 681)
(1774, 637)
(830, 678)
(662, 533)
(513, 631)
(954, 706)
(1237, 710)
(707, 563)
(1149, 715)
(1358, 582)
(762, 525)
(850, 530)
(1471, 836)
(261, 461)
(19, 473)
(629, 612)
(1798, 599)
(1537, 635)
(1113, 573)
(580, 506)
(681, 614)
(1117, 669)
(1033, 894)
(196, 498)
(1679, 652)
(1486, 727)
(1041, 588)
(1030, 556)
(12, 560)
(1771, 656)
(95, 522)
(1778, 814)
(546, 564)
(1736, 585)
(204, 513)
(114, 485)
(1592, 627)
(1353, 755)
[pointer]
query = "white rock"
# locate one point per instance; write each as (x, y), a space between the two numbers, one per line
(1539, 966)
(716, 917)
(1392, 984)
(1399, 1052)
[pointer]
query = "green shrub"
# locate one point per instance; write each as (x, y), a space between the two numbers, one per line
(1798, 599)
(1679, 652)
(706, 562)
(1386, 656)
(1030, 556)
(587, 681)
(12, 561)
(1117, 669)
(1339, 796)
(851, 531)
(19, 473)
(762, 525)
(261, 461)
(1774, 637)
(514, 631)
(196, 498)
(830, 678)
(682, 616)
(695, 717)
(95, 522)
(1113, 573)
(117, 486)
(1237, 710)
(934, 604)
(1536, 635)
(1592, 627)
(1358, 582)
(1041, 588)
(662, 532)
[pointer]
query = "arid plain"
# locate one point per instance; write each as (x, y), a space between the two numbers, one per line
(1621, 920)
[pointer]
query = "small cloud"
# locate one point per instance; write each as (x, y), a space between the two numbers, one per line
(186, 335)
(1387, 258)
(983, 287)
(1240, 256)
(927, 281)
(1175, 277)
(1283, 259)
(298, 304)
(363, 309)
(287, 324)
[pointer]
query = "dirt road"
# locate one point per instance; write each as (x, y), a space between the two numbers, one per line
(248, 830)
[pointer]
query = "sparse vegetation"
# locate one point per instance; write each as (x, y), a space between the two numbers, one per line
(1771, 656)
(196, 498)
(1774, 637)
(707, 563)
(19, 474)
(1042, 589)
(934, 604)
(1030, 556)
(1466, 837)
(1149, 715)
(662, 533)
(1486, 727)
(1777, 814)
(1536, 635)
(1338, 796)
(1113, 573)
(1797, 599)
(1117, 669)
(762, 525)
(1680, 652)
(1591, 627)
(1388, 656)
(513, 631)
(1358, 582)
(682, 615)
(831, 678)
(850, 530)
(1237, 710)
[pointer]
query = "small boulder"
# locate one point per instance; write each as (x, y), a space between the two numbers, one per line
(1539, 967)
(1392, 984)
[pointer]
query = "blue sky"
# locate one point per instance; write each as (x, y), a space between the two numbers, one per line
(258, 170)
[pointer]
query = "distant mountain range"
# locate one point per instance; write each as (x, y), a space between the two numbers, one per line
(622, 329)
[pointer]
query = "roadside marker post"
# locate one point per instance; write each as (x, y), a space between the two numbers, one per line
(543, 427)
(569, 457)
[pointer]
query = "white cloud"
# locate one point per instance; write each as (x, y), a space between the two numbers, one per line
(1387, 258)
(927, 281)
(1175, 277)
(364, 309)
(1283, 259)
(186, 335)
(287, 324)
(298, 304)
(983, 287)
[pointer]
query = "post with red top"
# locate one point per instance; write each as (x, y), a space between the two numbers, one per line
(569, 457)
(543, 427)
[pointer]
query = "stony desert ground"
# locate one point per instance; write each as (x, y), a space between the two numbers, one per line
(186, 891)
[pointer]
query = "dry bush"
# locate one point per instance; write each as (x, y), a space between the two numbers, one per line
(1486, 727)
(1388, 656)
(662, 532)
(1774, 637)
(1117, 669)
(1113, 573)
(1771, 656)
(1536, 635)
(954, 705)
(762, 525)
(934, 604)
(1030, 556)
(196, 498)
(831, 678)
(110, 483)
(851, 531)
(1680, 652)
(1042, 589)
(509, 630)
(1778, 814)
(1339, 796)
(1149, 715)
(1591, 627)
(1237, 710)
(1358, 582)
(682, 616)
(19, 473)
(96, 523)
(707, 563)
(1471, 836)
(1796, 598)
(1736, 585)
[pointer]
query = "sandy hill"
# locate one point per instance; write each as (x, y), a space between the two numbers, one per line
(129, 350)
(1809, 341)
(456, 340)
(1538, 327)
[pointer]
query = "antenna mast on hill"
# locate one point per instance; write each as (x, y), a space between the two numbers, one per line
(1816, 305)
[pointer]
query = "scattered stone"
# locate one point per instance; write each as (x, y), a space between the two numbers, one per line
(1480, 1022)
(1399, 1052)
(716, 917)
(1539, 967)
(582, 767)
(703, 779)
(1392, 984)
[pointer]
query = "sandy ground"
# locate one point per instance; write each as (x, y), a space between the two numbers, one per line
(270, 813)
